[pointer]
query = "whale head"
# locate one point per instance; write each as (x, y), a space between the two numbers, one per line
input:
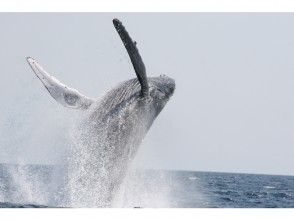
(161, 89)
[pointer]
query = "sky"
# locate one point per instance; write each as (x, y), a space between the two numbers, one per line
(232, 111)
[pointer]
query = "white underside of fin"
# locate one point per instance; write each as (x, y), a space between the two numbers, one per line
(63, 94)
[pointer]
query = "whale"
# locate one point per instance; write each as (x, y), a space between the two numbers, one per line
(111, 127)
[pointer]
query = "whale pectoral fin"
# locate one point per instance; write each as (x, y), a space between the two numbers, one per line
(131, 47)
(66, 96)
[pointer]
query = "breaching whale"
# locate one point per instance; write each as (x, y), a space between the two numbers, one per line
(111, 129)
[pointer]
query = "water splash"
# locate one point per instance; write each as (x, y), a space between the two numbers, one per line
(141, 188)
(22, 184)
(98, 171)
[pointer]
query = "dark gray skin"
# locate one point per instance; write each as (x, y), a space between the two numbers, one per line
(111, 129)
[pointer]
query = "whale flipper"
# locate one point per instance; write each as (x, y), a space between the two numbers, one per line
(63, 94)
(131, 47)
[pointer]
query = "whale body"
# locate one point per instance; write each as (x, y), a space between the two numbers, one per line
(111, 129)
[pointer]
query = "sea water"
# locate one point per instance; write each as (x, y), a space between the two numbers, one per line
(43, 186)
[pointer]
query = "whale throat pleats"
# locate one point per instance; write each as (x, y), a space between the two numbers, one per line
(134, 55)
(63, 94)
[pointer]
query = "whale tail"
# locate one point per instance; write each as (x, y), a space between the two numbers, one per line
(63, 94)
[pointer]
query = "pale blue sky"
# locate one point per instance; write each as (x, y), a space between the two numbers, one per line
(233, 109)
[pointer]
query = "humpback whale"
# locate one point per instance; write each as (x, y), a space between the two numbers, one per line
(111, 129)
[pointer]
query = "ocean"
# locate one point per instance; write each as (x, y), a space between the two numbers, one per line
(36, 186)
